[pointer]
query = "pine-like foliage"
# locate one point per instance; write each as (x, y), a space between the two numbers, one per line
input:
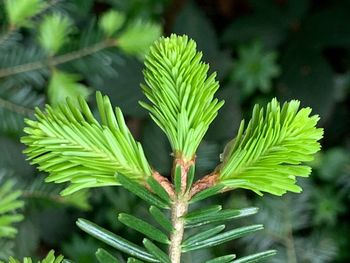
(15, 104)
(111, 22)
(18, 11)
(156, 236)
(180, 92)
(70, 144)
(63, 85)
(53, 32)
(50, 258)
(8, 204)
(287, 221)
(134, 41)
(266, 156)
(38, 193)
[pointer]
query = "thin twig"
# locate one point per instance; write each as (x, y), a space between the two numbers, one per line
(7, 34)
(289, 239)
(16, 108)
(204, 183)
(178, 210)
(5, 72)
(12, 28)
(39, 195)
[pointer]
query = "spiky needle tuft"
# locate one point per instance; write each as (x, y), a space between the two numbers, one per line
(180, 92)
(269, 153)
(70, 144)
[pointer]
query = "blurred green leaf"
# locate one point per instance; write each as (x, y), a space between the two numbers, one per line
(111, 22)
(19, 11)
(255, 68)
(65, 85)
(137, 37)
(53, 32)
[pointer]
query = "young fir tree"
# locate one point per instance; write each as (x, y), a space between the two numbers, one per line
(266, 155)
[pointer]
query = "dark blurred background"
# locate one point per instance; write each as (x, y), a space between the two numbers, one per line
(260, 49)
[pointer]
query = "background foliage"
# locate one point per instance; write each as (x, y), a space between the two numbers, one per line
(259, 48)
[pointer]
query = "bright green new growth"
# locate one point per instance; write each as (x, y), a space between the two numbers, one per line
(72, 146)
(18, 11)
(53, 32)
(50, 258)
(8, 204)
(138, 36)
(180, 92)
(266, 156)
(64, 85)
(111, 22)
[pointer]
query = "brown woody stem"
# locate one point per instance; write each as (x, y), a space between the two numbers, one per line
(165, 183)
(180, 202)
(204, 183)
(179, 209)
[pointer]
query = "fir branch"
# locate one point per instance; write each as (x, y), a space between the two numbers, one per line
(16, 103)
(7, 34)
(38, 192)
(11, 29)
(57, 60)
(268, 155)
(49, 258)
(40, 195)
(70, 144)
(14, 107)
(179, 210)
(78, 200)
(9, 203)
(180, 92)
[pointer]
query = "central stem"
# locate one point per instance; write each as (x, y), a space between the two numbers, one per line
(179, 209)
